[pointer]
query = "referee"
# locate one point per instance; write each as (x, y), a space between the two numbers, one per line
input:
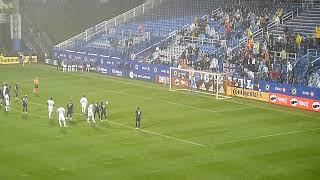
(36, 86)
(138, 115)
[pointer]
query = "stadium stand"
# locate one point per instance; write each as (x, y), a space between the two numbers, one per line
(251, 39)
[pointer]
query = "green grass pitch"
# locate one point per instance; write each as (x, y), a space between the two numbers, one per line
(183, 136)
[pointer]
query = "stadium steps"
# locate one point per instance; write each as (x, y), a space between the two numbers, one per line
(304, 24)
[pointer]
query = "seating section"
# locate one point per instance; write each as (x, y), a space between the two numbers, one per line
(207, 34)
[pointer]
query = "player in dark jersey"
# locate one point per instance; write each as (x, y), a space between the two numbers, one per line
(70, 109)
(103, 111)
(16, 89)
(97, 110)
(138, 115)
(25, 104)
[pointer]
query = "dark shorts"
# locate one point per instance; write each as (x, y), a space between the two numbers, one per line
(36, 86)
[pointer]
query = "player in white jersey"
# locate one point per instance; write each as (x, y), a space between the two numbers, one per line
(7, 99)
(61, 111)
(90, 113)
(4, 89)
(83, 102)
(50, 103)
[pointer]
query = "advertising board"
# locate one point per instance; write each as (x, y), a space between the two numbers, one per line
(116, 66)
(295, 102)
(248, 93)
(300, 91)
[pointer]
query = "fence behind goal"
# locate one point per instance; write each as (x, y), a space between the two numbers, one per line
(199, 82)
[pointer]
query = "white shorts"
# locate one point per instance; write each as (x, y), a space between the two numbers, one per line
(7, 103)
(84, 105)
(61, 118)
(90, 113)
(50, 110)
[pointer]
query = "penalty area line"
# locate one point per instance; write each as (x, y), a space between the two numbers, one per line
(265, 136)
(158, 134)
(146, 131)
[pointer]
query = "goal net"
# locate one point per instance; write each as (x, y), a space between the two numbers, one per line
(198, 82)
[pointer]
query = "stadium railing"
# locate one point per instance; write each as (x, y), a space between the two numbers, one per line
(107, 25)
(290, 56)
(316, 61)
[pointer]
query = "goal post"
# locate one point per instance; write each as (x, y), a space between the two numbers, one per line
(199, 82)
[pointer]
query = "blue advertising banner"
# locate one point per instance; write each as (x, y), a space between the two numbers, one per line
(290, 90)
(118, 67)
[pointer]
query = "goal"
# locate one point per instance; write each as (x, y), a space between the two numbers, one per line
(203, 82)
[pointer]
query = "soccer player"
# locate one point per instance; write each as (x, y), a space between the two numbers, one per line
(36, 86)
(16, 89)
(4, 89)
(62, 119)
(7, 99)
(50, 103)
(83, 102)
(70, 110)
(1, 96)
(97, 110)
(103, 111)
(25, 104)
(192, 83)
(8, 91)
(1, 99)
(90, 113)
(138, 115)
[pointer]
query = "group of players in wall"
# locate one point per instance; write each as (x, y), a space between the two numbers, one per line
(92, 111)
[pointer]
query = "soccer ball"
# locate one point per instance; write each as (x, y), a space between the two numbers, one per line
(107, 102)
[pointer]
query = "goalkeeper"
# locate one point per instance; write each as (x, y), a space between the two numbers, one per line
(192, 83)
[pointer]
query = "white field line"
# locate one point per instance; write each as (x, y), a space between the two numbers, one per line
(209, 110)
(260, 106)
(177, 104)
(271, 108)
(198, 144)
(182, 92)
(158, 134)
(146, 131)
(182, 105)
(265, 136)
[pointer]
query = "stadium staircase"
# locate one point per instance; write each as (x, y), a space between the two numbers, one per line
(304, 23)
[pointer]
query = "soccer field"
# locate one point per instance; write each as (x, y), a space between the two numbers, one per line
(182, 136)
